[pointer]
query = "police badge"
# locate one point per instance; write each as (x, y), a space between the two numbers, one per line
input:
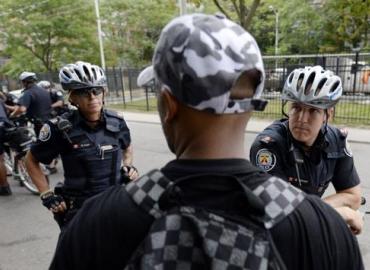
(265, 160)
(45, 133)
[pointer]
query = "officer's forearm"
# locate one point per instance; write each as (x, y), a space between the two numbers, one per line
(37, 176)
(18, 110)
(352, 200)
(128, 156)
(59, 103)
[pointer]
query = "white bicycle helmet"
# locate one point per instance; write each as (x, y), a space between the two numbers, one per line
(313, 86)
(27, 76)
(81, 75)
(44, 84)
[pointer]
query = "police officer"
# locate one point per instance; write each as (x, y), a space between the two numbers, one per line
(93, 144)
(35, 101)
(58, 108)
(209, 77)
(303, 149)
(57, 98)
(4, 185)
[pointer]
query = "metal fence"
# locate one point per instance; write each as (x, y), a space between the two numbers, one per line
(353, 68)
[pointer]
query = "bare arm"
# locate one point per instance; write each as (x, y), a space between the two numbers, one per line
(352, 217)
(350, 197)
(127, 159)
(50, 201)
(35, 171)
(57, 104)
(17, 110)
(128, 156)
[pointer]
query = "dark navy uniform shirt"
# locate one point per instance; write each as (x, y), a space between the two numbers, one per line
(329, 159)
(3, 114)
(3, 120)
(37, 101)
(56, 95)
(110, 226)
(91, 157)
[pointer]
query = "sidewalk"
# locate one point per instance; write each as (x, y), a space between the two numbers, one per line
(355, 135)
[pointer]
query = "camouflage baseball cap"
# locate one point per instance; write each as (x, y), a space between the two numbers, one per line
(200, 57)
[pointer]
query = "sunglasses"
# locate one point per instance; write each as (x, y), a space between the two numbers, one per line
(87, 92)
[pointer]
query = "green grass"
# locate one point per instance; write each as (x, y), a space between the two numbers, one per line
(349, 113)
(138, 106)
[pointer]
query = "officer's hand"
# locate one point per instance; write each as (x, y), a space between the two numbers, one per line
(353, 218)
(54, 203)
(131, 172)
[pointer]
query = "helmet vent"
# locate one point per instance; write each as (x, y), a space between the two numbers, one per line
(65, 73)
(334, 87)
(94, 73)
(78, 74)
(309, 82)
(290, 79)
(320, 85)
(300, 80)
(86, 71)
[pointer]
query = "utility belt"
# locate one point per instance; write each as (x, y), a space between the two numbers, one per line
(73, 199)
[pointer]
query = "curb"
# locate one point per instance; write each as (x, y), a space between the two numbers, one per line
(356, 135)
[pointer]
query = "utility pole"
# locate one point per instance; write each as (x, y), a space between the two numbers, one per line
(276, 12)
(182, 6)
(102, 58)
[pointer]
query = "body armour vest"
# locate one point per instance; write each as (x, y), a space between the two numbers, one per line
(92, 162)
(311, 172)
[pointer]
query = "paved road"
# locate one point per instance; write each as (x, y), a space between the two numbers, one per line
(28, 234)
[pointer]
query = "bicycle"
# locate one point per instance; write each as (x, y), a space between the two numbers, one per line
(18, 139)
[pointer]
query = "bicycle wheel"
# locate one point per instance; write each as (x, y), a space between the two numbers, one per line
(25, 178)
(8, 164)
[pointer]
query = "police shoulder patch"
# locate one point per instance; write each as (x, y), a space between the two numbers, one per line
(45, 133)
(347, 149)
(265, 159)
(266, 139)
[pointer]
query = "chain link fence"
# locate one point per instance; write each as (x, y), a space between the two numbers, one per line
(353, 68)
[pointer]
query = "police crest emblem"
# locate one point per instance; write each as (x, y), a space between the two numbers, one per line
(265, 159)
(45, 133)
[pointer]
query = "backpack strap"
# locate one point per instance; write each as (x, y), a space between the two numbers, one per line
(147, 190)
(278, 197)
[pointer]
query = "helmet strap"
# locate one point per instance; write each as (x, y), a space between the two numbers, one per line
(284, 102)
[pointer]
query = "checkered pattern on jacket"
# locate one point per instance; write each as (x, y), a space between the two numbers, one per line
(189, 238)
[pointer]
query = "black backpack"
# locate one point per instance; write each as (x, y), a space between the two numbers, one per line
(188, 237)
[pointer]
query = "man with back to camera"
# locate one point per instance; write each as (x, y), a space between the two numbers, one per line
(209, 76)
(35, 101)
(304, 150)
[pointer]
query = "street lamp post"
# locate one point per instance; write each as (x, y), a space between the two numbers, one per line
(102, 58)
(182, 6)
(276, 12)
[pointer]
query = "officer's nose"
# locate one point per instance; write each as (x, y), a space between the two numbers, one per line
(303, 115)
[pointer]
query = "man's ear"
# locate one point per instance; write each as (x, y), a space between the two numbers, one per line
(170, 105)
(329, 114)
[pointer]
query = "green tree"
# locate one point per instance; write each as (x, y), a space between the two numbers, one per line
(346, 25)
(132, 27)
(42, 35)
(238, 9)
